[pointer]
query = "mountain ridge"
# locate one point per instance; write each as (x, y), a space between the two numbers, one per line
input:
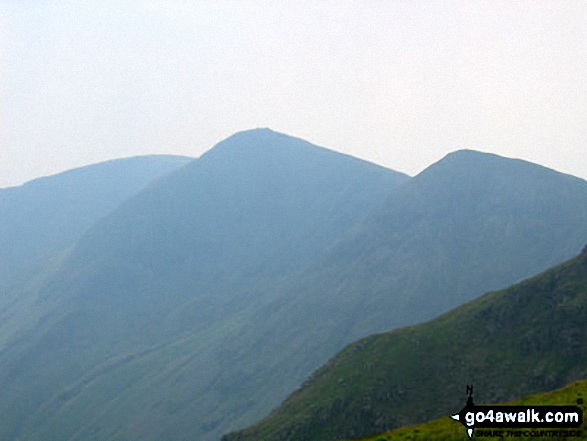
(114, 161)
(201, 302)
(43, 217)
(178, 268)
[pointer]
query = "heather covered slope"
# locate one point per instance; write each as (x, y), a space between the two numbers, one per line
(43, 217)
(134, 331)
(525, 339)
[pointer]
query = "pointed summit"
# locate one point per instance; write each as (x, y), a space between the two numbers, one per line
(264, 147)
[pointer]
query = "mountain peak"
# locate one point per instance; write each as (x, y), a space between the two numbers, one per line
(257, 134)
(265, 147)
(470, 157)
(480, 167)
(256, 142)
(256, 131)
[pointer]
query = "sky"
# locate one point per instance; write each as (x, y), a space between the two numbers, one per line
(398, 83)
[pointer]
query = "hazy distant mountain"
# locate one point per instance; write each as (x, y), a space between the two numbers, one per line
(470, 223)
(45, 216)
(128, 340)
(525, 339)
(202, 302)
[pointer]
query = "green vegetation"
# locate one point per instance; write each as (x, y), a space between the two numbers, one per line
(525, 339)
(445, 429)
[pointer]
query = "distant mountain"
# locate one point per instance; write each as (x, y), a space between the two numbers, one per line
(445, 429)
(133, 334)
(525, 339)
(47, 215)
(199, 304)
(470, 223)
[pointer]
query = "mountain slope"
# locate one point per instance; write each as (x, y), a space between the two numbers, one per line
(135, 329)
(525, 339)
(471, 223)
(258, 206)
(445, 429)
(45, 216)
(202, 302)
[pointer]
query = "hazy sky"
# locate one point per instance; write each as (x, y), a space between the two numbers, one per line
(399, 83)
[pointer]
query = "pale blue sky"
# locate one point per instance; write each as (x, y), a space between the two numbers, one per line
(399, 83)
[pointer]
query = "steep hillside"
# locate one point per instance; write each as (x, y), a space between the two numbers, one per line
(525, 339)
(445, 429)
(256, 209)
(43, 217)
(135, 330)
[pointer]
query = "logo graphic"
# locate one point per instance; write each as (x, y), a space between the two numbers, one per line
(461, 416)
(515, 417)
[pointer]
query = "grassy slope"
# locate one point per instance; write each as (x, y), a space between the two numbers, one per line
(470, 223)
(525, 339)
(445, 429)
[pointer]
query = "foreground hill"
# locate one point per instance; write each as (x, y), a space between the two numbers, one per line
(45, 216)
(525, 339)
(445, 429)
(133, 335)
